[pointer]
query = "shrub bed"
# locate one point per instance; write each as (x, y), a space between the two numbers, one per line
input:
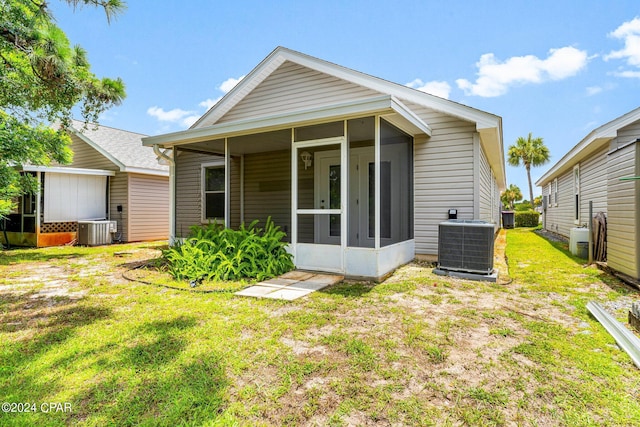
(527, 218)
(217, 253)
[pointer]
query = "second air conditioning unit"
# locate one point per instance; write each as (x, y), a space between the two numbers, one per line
(94, 233)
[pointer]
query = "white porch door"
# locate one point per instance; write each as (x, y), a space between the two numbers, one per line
(328, 197)
(361, 198)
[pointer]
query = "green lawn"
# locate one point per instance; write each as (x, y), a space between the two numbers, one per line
(418, 349)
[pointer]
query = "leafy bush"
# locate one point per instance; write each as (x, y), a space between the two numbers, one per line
(217, 253)
(527, 218)
(524, 206)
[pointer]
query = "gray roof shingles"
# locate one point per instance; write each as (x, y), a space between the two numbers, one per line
(124, 146)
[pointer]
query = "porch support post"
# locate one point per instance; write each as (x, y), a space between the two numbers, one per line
(242, 189)
(294, 197)
(227, 184)
(344, 199)
(38, 197)
(377, 182)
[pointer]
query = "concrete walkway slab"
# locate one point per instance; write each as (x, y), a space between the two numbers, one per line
(290, 286)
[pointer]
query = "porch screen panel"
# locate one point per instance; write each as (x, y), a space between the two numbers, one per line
(70, 197)
(396, 185)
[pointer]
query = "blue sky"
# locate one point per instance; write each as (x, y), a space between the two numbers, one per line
(557, 68)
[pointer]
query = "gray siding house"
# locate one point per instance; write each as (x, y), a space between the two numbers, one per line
(358, 171)
(112, 176)
(598, 169)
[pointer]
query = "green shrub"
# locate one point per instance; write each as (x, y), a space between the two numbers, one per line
(527, 218)
(217, 253)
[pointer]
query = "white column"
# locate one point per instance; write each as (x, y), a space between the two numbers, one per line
(227, 184)
(377, 181)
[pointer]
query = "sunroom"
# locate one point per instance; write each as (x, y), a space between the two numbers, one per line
(337, 179)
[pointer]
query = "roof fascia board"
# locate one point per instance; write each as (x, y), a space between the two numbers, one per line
(71, 171)
(594, 140)
(380, 104)
(242, 88)
(482, 119)
(144, 171)
(99, 149)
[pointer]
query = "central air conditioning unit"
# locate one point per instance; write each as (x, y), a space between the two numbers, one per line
(95, 233)
(466, 245)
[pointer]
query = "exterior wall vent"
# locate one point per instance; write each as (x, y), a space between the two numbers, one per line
(466, 245)
(94, 233)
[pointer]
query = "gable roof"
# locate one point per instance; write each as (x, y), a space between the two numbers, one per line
(391, 99)
(121, 147)
(594, 141)
(282, 54)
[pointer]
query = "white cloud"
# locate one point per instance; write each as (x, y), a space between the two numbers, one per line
(187, 118)
(628, 74)
(229, 84)
(208, 103)
(437, 88)
(496, 77)
(629, 32)
(593, 90)
(177, 115)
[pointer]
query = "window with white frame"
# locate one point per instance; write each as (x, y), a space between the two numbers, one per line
(555, 192)
(576, 193)
(213, 194)
(549, 204)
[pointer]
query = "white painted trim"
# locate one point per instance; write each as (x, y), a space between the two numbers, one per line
(319, 211)
(343, 111)
(294, 195)
(38, 199)
(576, 192)
(144, 171)
(71, 171)
(376, 169)
(589, 144)
(203, 207)
(241, 188)
(227, 184)
(335, 140)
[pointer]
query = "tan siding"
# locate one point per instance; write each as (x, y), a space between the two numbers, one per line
(263, 201)
(443, 175)
(149, 207)
(119, 195)
(294, 87)
(85, 156)
(622, 204)
(189, 194)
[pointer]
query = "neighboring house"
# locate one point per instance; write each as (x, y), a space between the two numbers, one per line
(597, 170)
(358, 171)
(112, 177)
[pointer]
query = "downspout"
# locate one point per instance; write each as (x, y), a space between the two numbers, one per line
(172, 190)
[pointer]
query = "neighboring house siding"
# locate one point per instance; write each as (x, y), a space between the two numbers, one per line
(593, 185)
(622, 205)
(268, 188)
(85, 156)
(119, 195)
(559, 219)
(189, 191)
(293, 87)
(149, 207)
(443, 175)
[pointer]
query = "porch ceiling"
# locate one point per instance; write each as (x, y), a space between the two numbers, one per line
(271, 133)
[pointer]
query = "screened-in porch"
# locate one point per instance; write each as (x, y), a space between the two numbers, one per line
(342, 190)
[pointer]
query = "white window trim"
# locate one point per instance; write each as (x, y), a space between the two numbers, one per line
(549, 198)
(203, 201)
(576, 192)
(555, 192)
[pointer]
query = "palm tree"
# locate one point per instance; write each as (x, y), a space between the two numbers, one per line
(531, 152)
(511, 195)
